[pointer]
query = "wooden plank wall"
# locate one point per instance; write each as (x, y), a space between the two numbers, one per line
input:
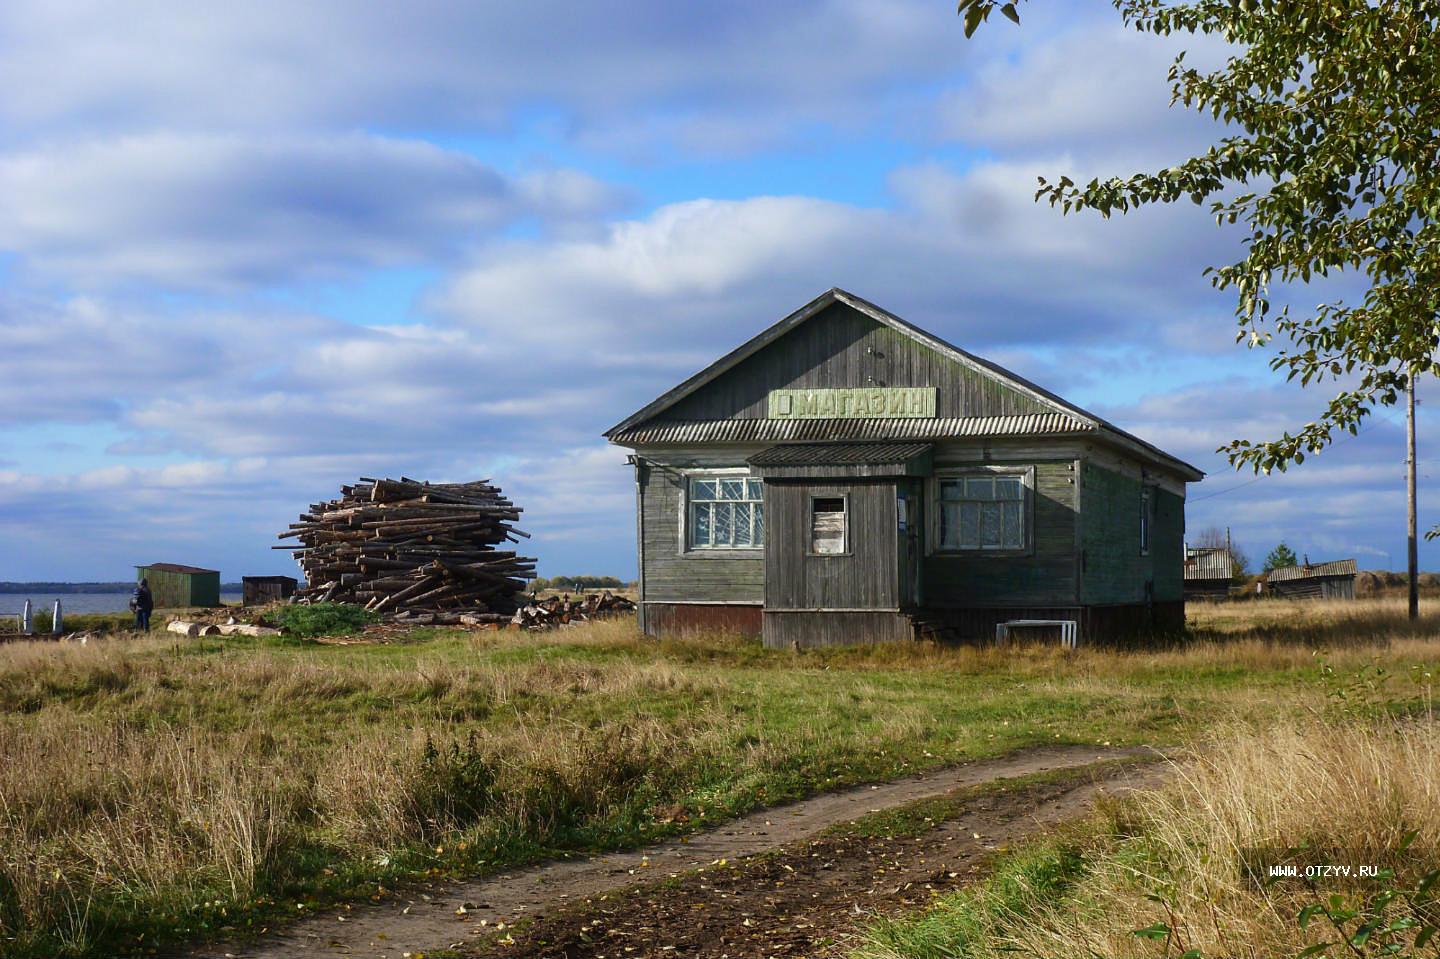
(865, 577)
(679, 619)
(1124, 625)
(1046, 578)
(789, 630)
(1316, 587)
(844, 348)
(699, 576)
(1114, 569)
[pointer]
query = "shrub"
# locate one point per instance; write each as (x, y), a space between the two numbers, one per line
(322, 619)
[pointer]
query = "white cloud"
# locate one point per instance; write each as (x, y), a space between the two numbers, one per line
(222, 210)
(1095, 89)
(434, 64)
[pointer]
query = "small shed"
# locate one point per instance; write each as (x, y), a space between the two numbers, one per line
(174, 585)
(259, 590)
(1208, 571)
(1332, 580)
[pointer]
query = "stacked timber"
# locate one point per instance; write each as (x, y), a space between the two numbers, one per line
(562, 610)
(403, 547)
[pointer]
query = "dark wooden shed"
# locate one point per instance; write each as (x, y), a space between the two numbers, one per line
(846, 477)
(1332, 580)
(1209, 571)
(259, 590)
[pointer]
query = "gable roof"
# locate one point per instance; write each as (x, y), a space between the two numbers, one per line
(1337, 567)
(1075, 417)
(177, 568)
(1208, 562)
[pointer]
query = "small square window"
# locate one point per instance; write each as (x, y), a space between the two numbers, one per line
(827, 525)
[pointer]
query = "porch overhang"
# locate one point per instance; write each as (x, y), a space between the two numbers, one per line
(842, 460)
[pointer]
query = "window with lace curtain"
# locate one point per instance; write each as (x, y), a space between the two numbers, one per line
(982, 511)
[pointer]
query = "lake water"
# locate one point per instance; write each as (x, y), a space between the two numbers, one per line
(12, 603)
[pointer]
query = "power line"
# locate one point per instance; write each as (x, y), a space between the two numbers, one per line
(1222, 492)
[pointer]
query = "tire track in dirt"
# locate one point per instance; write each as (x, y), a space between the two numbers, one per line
(426, 918)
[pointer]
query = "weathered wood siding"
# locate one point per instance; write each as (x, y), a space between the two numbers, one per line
(673, 575)
(1207, 590)
(864, 577)
(787, 630)
(1044, 576)
(1114, 569)
(679, 619)
(1316, 587)
(842, 347)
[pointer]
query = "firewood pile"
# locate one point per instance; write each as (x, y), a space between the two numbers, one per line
(414, 551)
(562, 610)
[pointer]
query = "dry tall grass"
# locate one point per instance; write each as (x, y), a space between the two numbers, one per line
(1349, 791)
(149, 785)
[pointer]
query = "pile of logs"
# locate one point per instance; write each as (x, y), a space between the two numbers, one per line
(562, 610)
(403, 547)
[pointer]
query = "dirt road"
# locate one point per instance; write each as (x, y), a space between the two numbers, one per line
(778, 909)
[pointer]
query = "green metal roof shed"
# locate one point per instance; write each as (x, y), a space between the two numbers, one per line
(173, 585)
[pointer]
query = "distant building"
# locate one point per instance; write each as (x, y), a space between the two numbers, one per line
(1333, 580)
(259, 590)
(174, 585)
(845, 477)
(1208, 571)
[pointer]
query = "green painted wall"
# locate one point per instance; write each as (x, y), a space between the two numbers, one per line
(171, 589)
(1046, 578)
(1115, 571)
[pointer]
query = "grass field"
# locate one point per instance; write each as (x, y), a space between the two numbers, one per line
(167, 788)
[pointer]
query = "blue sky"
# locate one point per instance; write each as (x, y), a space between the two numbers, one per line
(248, 254)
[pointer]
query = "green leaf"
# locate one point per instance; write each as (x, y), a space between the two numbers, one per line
(1158, 931)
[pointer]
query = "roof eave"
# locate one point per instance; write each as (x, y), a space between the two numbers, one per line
(1154, 454)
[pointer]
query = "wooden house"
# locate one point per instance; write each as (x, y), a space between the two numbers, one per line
(1208, 573)
(846, 477)
(174, 585)
(1332, 580)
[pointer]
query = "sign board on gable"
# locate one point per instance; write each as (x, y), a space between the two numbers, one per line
(888, 402)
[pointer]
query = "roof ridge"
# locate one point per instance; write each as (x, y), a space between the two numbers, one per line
(835, 294)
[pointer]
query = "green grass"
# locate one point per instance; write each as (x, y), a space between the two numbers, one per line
(963, 925)
(272, 774)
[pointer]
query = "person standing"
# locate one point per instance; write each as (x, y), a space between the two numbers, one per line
(142, 603)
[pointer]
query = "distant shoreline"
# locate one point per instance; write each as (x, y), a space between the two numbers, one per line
(62, 589)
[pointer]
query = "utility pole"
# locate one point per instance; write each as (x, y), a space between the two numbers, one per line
(1412, 546)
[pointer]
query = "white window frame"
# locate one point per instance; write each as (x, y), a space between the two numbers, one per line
(687, 547)
(1026, 475)
(844, 499)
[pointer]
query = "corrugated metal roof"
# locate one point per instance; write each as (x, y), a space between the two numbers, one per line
(176, 568)
(1339, 567)
(839, 454)
(778, 431)
(1208, 562)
